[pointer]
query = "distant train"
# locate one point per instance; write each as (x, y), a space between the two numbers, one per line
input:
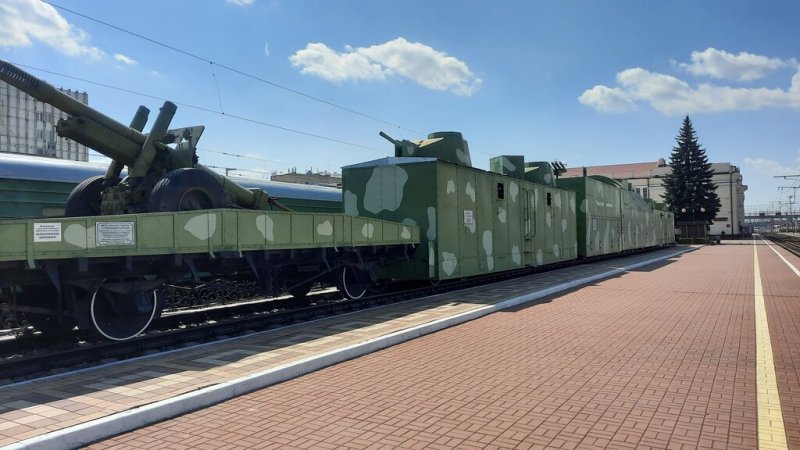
(34, 186)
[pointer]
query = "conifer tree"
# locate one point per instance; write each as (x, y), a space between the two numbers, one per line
(690, 193)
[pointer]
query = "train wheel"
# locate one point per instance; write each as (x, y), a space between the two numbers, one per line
(186, 190)
(44, 297)
(85, 198)
(119, 311)
(352, 282)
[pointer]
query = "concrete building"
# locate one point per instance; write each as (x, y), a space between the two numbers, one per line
(28, 126)
(648, 180)
(318, 179)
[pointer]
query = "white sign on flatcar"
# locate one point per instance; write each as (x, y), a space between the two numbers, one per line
(114, 233)
(47, 232)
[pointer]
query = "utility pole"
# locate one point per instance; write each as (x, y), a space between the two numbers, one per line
(794, 195)
(792, 200)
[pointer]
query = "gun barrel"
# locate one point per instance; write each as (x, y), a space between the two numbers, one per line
(389, 138)
(45, 92)
(119, 142)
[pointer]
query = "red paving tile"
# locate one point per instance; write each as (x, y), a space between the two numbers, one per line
(661, 357)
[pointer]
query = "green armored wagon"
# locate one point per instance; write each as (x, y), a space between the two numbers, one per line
(614, 219)
(471, 221)
(599, 215)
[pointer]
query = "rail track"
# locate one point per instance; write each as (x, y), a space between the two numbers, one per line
(790, 242)
(26, 357)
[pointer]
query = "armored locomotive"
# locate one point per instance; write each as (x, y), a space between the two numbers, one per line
(423, 214)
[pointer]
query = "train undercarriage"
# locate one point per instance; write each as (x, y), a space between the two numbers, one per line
(119, 297)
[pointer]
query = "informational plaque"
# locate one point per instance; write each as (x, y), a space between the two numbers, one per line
(114, 233)
(47, 232)
(468, 219)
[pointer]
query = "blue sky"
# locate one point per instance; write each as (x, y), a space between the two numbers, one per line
(583, 82)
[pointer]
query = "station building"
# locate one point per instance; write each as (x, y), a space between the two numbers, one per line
(28, 126)
(647, 179)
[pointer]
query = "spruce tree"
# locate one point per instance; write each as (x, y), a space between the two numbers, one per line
(689, 191)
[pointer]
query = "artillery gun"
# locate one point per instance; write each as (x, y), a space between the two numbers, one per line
(163, 172)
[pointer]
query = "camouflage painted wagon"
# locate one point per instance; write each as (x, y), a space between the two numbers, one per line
(614, 219)
(471, 221)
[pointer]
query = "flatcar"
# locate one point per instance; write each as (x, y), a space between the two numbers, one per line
(35, 186)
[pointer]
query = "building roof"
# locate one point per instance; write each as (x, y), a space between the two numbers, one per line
(617, 171)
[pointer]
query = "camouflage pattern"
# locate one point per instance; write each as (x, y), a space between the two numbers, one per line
(511, 165)
(612, 218)
(540, 172)
(471, 221)
(210, 231)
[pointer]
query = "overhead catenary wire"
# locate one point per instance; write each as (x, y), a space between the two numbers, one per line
(205, 109)
(231, 69)
(94, 153)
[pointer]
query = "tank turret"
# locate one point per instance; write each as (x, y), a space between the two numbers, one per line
(447, 146)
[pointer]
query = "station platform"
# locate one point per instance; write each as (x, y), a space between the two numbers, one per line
(660, 349)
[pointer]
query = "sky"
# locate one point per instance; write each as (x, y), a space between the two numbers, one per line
(308, 84)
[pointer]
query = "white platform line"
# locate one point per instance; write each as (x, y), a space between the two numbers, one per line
(791, 266)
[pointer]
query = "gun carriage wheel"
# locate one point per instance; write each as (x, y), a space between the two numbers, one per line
(86, 197)
(186, 190)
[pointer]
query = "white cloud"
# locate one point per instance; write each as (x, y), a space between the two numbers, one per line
(428, 67)
(606, 99)
(125, 59)
(266, 48)
(773, 168)
(673, 96)
(742, 67)
(22, 21)
(317, 59)
(240, 2)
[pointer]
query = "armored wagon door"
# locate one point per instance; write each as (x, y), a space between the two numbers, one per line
(624, 223)
(528, 227)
